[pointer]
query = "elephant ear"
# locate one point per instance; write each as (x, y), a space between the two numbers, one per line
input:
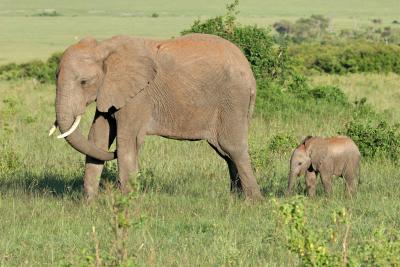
(317, 153)
(127, 71)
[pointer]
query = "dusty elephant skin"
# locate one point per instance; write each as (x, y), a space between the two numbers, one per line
(332, 156)
(197, 87)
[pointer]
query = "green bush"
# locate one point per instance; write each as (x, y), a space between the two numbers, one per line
(314, 247)
(299, 87)
(346, 57)
(375, 138)
(330, 94)
(385, 35)
(304, 29)
(41, 71)
(331, 245)
(268, 58)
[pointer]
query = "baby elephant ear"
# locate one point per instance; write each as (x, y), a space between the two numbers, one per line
(305, 139)
(126, 73)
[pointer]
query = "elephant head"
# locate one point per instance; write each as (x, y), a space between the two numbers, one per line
(110, 73)
(300, 162)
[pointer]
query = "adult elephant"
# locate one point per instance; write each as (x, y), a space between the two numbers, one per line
(197, 87)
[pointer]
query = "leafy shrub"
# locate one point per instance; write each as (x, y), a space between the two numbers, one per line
(313, 247)
(346, 57)
(320, 246)
(155, 15)
(376, 21)
(382, 250)
(303, 29)
(375, 138)
(387, 35)
(267, 57)
(37, 69)
(329, 93)
(300, 88)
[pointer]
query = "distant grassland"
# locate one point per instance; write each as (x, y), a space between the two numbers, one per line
(24, 35)
(382, 91)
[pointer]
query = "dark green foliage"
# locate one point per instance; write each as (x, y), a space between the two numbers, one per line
(303, 29)
(283, 27)
(300, 88)
(329, 245)
(348, 57)
(375, 138)
(386, 35)
(268, 58)
(329, 93)
(38, 70)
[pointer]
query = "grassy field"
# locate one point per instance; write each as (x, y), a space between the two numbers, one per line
(382, 91)
(191, 219)
(24, 35)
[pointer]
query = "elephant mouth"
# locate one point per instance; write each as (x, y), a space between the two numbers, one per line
(73, 127)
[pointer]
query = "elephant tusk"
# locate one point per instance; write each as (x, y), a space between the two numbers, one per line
(52, 130)
(72, 129)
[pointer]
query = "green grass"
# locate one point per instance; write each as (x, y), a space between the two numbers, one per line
(25, 36)
(382, 91)
(192, 220)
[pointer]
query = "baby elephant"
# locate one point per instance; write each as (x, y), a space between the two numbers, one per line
(329, 156)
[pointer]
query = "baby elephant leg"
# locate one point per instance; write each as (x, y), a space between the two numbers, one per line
(351, 183)
(311, 181)
(327, 182)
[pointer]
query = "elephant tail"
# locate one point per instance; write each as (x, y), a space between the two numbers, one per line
(252, 101)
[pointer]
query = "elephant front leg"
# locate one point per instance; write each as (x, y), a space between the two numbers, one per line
(102, 134)
(127, 152)
(311, 182)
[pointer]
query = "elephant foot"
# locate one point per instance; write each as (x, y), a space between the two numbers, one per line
(125, 188)
(254, 194)
(90, 198)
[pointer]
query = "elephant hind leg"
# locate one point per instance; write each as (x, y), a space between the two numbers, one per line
(242, 177)
(350, 177)
(236, 186)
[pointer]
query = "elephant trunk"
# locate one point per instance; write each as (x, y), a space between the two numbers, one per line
(65, 119)
(292, 182)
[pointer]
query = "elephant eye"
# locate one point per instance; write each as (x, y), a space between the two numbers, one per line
(83, 82)
(299, 163)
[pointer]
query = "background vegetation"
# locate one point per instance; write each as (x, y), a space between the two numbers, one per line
(182, 213)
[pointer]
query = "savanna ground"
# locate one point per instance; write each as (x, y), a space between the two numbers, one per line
(190, 218)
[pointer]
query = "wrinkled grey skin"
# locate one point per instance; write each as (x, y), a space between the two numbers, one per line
(328, 157)
(189, 88)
